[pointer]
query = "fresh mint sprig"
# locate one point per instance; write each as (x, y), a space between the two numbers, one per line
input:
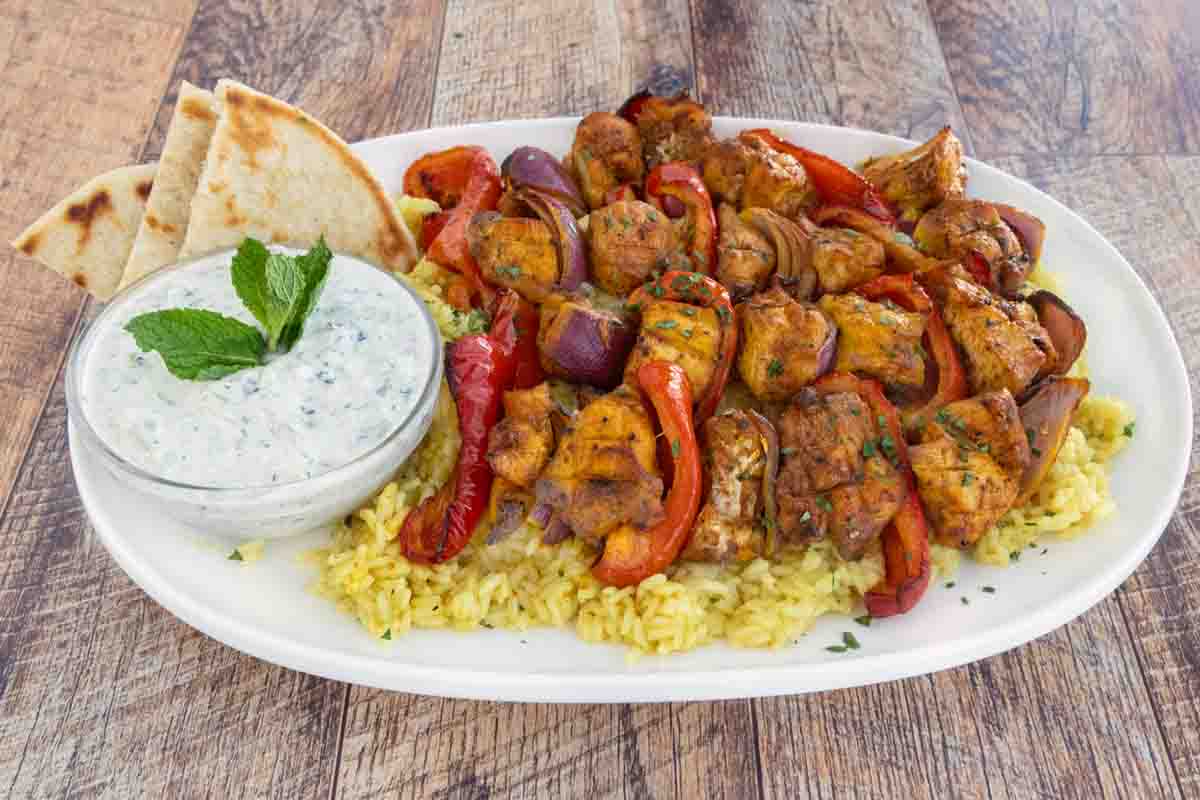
(279, 290)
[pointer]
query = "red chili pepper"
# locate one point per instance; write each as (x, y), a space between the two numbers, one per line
(690, 287)
(906, 537)
(683, 182)
(630, 556)
(468, 181)
(951, 377)
(515, 326)
(835, 183)
(478, 368)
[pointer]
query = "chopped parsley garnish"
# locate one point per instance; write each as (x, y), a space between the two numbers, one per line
(787, 451)
(689, 312)
(806, 516)
(868, 448)
(950, 584)
(675, 448)
(967, 478)
(965, 601)
(1129, 430)
(1015, 555)
(837, 648)
(823, 503)
(236, 555)
(387, 635)
(850, 640)
(722, 312)
(864, 620)
(512, 272)
(666, 324)
(989, 589)
(775, 368)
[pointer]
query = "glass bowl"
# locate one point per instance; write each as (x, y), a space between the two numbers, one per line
(263, 511)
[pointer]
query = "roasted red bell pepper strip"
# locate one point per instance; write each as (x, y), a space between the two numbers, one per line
(478, 368)
(683, 182)
(467, 181)
(951, 377)
(979, 270)
(442, 176)
(691, 287)
(905, 558)
(515, 326)
(835, 183)
(630, 556)
(906, 537)
(431, 226)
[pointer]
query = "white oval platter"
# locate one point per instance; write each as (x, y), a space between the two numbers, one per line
(265, 609)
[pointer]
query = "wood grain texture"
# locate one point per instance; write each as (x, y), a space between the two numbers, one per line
(1075, 76)
(844, 62)
(503, 59)
(1155, 223)
(405, 746)
(102, 693)
(75, 99)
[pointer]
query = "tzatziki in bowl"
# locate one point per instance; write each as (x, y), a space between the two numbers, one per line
(291, 442)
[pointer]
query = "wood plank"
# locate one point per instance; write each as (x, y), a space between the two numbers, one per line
(405, 746)
(502, 59)
(1075, 76)
(1064, 717)
(844, 62)
(1155, 223)
(79, 86)
(102, 691)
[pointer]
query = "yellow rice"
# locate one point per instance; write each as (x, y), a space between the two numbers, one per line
(521, 583)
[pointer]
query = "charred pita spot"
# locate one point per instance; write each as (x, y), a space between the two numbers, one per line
(191, 107)
(229, 204)
(30, 245)
(234, 97)
(86, 213)
(143, 190)
(80, 279)
(250, 132)
(234, 221)
(152, 222)
(168, 227)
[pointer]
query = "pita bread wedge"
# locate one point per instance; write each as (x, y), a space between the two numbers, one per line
(275, 173)
(88, 235)
(164, 224)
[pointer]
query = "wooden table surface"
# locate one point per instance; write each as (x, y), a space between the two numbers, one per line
(103, 693)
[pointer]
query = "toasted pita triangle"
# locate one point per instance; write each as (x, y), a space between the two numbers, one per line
(88, 235)
(164, 224)
(275, 173)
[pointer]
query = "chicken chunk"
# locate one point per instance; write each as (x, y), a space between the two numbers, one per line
(747, 173)
(745, 258)
(729, 524)
(1000, 353)
(880, 340)
(959, 227)
(604, 473)
(844, 258)
(672, 128)
(682, 334)
(628, 241)
(515, 252)
(606, 153)
(968, 465)
(520, 445)
(785, 344)
(836, 478)
(918, 179)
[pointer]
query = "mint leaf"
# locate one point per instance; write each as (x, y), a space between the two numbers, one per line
(314, 265)
(249, 273)
(285, 285)
(196, 344)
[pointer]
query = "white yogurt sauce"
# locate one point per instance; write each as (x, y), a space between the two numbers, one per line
(355, 375)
